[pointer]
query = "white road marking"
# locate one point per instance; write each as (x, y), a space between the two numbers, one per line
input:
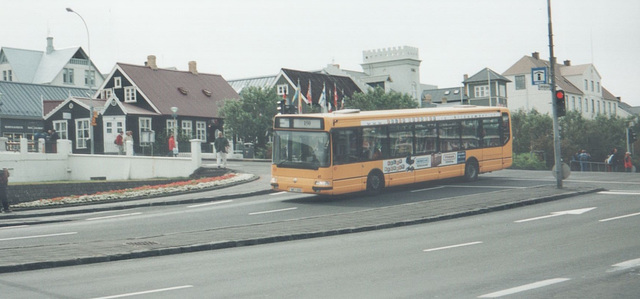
(427, 189)
(625, 265)
(39, 236)
(272, 211)
(146, 292)
(15, 226)
(210, 203)
(619, 193)
(525, 287)
(555, 214)
(453, 246)
(493, 187)
(619, 217)
(278, 193)
(113, 216)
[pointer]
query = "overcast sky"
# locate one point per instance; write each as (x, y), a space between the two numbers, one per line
(248, 38)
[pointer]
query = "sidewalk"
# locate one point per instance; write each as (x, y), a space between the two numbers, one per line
(31, 258)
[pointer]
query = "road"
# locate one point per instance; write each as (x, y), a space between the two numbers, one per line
(580, 247)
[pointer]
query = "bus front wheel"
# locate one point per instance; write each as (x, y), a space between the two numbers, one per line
(375, 182)
(471, 171)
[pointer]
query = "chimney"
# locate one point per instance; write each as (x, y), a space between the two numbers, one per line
(151, 62)
(567, 62)
(535, 55)
(193, 67)
(465, 77)
(49, 45)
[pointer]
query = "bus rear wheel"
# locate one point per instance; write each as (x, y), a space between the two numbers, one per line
(375, 182)
(471, 171)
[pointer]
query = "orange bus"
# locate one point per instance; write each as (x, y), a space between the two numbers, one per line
(351, 151)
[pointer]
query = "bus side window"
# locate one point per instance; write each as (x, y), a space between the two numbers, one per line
(345, 146)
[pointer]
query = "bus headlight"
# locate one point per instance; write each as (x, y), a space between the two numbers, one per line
(323, 183)
(274, 182)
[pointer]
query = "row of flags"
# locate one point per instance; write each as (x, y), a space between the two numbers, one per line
(325, 104)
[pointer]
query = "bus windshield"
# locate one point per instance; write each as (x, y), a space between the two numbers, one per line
(306, 150)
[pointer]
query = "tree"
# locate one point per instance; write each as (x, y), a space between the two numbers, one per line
(377, 99)
(251, 117)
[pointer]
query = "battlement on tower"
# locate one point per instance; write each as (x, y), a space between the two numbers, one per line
(390, 54)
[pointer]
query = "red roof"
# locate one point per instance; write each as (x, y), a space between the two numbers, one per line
(197, 95)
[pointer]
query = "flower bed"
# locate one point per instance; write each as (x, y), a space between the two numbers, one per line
(139, 192)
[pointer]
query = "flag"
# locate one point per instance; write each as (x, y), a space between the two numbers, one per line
(322, 101)
(335, 96)
(308, 99)
(342, 102)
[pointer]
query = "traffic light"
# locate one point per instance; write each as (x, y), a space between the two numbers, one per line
(282, 107)
(94, 118)
(561, 109)
(632, 136)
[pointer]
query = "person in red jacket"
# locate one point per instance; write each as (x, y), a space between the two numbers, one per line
(173, 150)
(628, 165)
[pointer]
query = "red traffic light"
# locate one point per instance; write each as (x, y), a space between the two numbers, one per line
(559, 94)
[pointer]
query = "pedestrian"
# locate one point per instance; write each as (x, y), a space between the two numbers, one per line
(4, 181)
(173, 147)
(628, 165)
(120, 142)
(221, 145)
(129, 138)
(584, 158)
(616, 160)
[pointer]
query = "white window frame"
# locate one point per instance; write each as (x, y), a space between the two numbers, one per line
(83, 133)
(130, 94)
(187, 128)
(481, 91)
(201, 130)
(89, 78)
(67, 75)
(521, 82)
(62, 128)
(171, 124)
(117, 82)
(106, 93)
(144, 124)
(283, 89)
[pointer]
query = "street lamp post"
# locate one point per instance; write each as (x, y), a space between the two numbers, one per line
(174, 113)
(91, 135)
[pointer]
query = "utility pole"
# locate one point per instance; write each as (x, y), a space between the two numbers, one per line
(556, 130)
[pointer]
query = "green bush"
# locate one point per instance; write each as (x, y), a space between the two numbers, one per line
(528, 162)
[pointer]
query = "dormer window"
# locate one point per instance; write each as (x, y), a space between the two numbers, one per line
(117, 82)
(183, 90)
(130, 94)
(207, 92)
(447, 92)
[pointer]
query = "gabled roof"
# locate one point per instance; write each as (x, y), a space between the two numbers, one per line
(86, 103)
(526, 63)
(40, 67)
(344, 85)
(26, 99)
(485, 75)
(194, 94)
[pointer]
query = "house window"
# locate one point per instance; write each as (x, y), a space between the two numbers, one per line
(598, 86)
(82, 133)
(89, 78)
(187, 128)
(586, 84)
(482, 91)
(117, 82)
(67, 76)
(106, 94)
(171, 124)
(7, 75)
(573, 102)
(130, 94)
(283, 89)
(521, 83)
(580, 103)
(61, 128)
(593, 106)
(586, 105)
(201, 130)
(144, 124)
